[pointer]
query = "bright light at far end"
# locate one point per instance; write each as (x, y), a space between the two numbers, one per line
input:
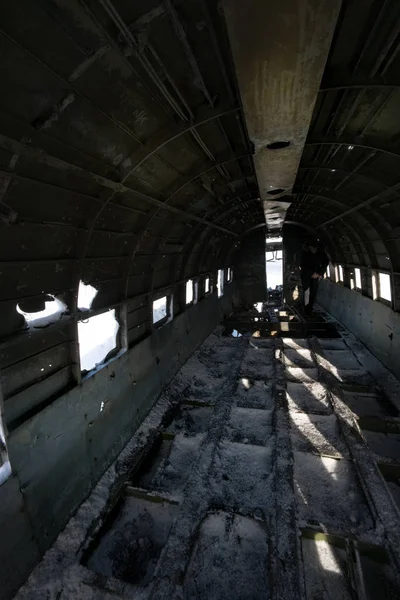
(350, 147)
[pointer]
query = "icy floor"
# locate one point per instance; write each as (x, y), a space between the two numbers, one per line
(254, 454)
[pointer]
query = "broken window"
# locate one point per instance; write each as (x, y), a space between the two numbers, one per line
(220, 282)
(159, 309)
(86, 295)
(207, 285)
(162, 310)
(357, 274)
(385, 291)
(42, 311)
(189, 291)
(97, 337)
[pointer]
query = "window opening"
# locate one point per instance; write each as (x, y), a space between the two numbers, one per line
(189, 291)
(357, 274)
(97, 338)
(352, 283)
(374, 286)
(220, 282)
(52, 312)
(160, 309)
(274, 240)
(86, 295)
(340, 273)
(385, 291)
(207, 285)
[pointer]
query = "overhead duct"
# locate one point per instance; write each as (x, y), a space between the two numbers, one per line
(280, 51)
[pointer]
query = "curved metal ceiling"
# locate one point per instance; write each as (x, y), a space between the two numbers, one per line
(125, 160)
(348, 184)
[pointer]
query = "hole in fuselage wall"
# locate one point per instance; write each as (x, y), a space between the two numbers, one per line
(46, 310)
(275, 191)
(278, 145)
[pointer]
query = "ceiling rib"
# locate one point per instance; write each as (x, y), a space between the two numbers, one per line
(374, 198)
(44, 158)
(352, 142)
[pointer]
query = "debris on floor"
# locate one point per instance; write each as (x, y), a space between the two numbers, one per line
(244, 480)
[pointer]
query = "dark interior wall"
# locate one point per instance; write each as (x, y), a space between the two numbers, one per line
(373, 322)
(124, 163)
(250, 267)
(59, 454)
(347, 187)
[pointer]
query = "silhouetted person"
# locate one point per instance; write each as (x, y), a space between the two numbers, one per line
(313, 265)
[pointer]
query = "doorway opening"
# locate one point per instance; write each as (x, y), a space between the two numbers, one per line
(274, 270)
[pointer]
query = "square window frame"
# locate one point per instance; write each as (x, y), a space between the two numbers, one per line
(379, 297)
(356, 287)
(192, 301)
(209, 292)
(120, 343)
(220, 291)
(170, 310)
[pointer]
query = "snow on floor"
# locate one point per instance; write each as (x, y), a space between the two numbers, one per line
(191, 420)
(254, 394)
(257, 364)
(380, 580)
(395, 491)
(308, 398)
(295, 343)
(342, 359)
(174, 471)
(318, 434)
(131, 545)
(301, 375)
(243, 477)
(229, 560)
(329, 493)
(325, 571)
(250, 426)
(367, 404)
(215, 517)
(384, 444)
(298, 358)
(207, 371)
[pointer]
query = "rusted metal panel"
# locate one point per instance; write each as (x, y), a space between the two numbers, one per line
(280, 51)
(21, 375)
(33, 399)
